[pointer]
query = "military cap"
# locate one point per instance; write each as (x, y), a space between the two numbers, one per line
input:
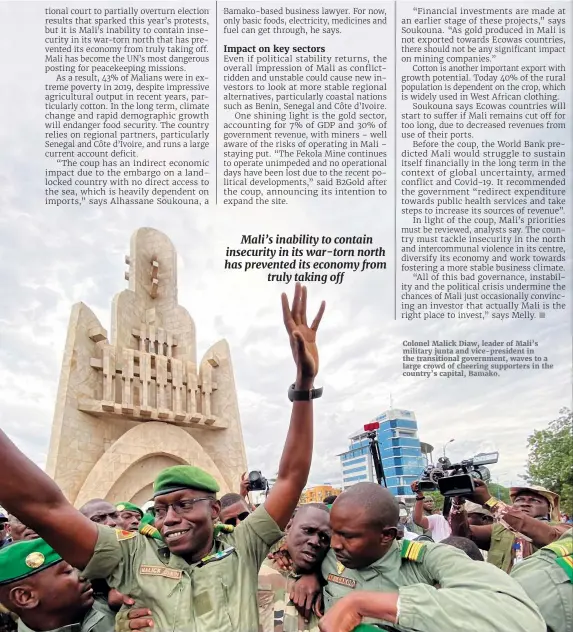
(474, 508)
(551, 497)
(178, 477)
(22, 559)
(129, 507)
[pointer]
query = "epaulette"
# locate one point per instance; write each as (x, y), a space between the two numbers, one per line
(562, 547)
(413, 551)
(150, 531)
(220, 528)
(563, 550)
(566, 564)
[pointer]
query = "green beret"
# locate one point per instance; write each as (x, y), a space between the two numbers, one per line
(178, 477)
(128, 507)
(22, 559)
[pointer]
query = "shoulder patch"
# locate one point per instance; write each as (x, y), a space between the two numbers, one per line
(562, 547)
(566, 563)
(150, 531)
(413, 551)
(120, 534)
(222, 528)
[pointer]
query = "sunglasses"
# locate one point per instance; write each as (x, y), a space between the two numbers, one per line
(179, 507)
(240, 518)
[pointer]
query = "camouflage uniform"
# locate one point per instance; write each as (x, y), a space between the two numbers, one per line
(276, 612)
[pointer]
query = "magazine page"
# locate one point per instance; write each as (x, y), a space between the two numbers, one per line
(287, 253)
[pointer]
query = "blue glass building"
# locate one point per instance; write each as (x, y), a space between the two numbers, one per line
(400, 450)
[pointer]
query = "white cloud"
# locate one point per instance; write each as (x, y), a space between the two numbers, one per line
(55, 256)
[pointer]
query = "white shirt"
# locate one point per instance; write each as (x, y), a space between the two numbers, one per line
(439, 527)
(409, 535)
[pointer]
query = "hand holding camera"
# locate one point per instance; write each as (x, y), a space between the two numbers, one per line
(458, 479)
(481, 493)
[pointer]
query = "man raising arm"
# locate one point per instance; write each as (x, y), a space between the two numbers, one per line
(160, 573)
(534, 514)
(422, 516)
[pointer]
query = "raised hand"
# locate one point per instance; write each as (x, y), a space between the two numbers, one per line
(244, 485)
(302, 337)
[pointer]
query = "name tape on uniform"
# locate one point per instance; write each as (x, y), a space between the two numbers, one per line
(343, 581)
(160, 571)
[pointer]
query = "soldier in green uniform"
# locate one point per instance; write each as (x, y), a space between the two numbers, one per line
(192, 581)
(46, 593)
(129, 516)
(371, 579)
(547, 577)
(518, 530)
(305, 547)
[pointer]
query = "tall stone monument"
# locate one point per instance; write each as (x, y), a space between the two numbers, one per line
(137, 402)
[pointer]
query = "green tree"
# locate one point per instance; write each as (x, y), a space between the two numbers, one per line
(499, 491)
(550, 458)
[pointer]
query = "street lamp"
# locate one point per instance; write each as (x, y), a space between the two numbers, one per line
(446, 444)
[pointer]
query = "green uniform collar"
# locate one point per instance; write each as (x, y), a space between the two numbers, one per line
(379, 567)
(407, 550)
(384, 564)
(98, 617)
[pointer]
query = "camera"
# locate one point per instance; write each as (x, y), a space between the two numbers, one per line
(456, 479)
(257, 482)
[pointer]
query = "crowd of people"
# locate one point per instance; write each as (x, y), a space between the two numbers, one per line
(194, 562)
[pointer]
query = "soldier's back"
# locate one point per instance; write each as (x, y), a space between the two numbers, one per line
(547, 576)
